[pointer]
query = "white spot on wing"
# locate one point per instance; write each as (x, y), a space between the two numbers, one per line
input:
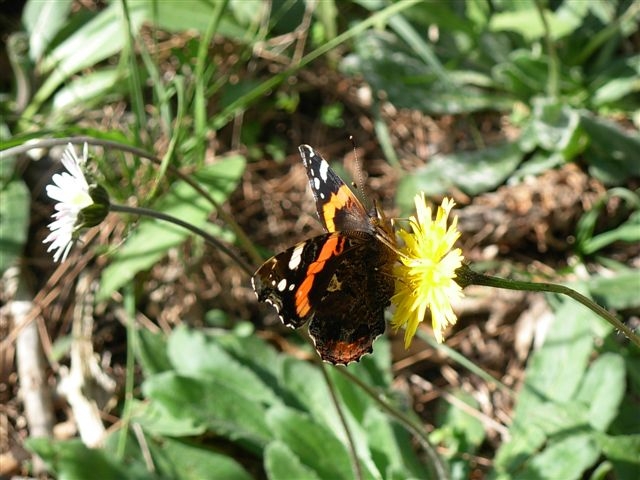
(316, 183)
(296, 257)
(282, 284)
(324, 168)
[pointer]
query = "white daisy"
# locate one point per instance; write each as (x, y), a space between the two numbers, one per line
(72, 193)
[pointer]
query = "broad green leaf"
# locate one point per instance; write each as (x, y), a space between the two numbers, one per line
(528, 22)
(556, 128)
(618, 80)
(175, 16)
(280, 463)
(525, 440)
(545, 405)
(612, 153)
(313, 444)
(72, 460)
(472, 172)
(98, 39)
(307, 384)
(458, 430)
(391, 447)
(195, 355)
(153, 238)
(567, 458)
(156, 419)
(623, 451)
(523, 74)
(556, 418)
(181, 461)
(257, 354)
(43, 20)
(88, 89)
(213, 404)
(619, 292)
(408, 82)
(14, 221)
(152, 352)
(602, 390)
(555, 371)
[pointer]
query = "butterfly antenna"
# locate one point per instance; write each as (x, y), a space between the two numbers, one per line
(360, 181)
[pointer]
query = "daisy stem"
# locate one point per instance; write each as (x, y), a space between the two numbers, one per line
(466, 276)
(210, 239)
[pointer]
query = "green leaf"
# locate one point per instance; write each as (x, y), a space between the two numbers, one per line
(619, 292)
(546, 405)
(156, 419)
(602, 390)
(616, 81)
(556, 128)
(612, 153)
(555, 371)
(458, 430)
(152, 352)
(473, 172)
(391, 447)
(153, 238)
(14, 221)
(306, 383)
(568, 458)
(623, 451)
(71, 460)
(195, 355)
(88, 89)
(391, 67)
(522, 73)
(214, 404)
(181, 461)
(257, 354)
(98, 39)
(628, 232)
(313, 444)
(281, 463)
(43, 20)
(527, 20)
(172, 16)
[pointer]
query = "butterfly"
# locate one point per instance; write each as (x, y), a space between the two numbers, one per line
(341, 281)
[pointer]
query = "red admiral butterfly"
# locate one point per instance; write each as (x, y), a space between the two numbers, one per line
(340, 281)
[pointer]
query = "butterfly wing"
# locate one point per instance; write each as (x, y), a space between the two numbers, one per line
(338, 208)
(341, 282)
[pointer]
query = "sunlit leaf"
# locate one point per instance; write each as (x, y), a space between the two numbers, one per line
(181, 461)
(73, 460)
(43, 20)
(612, 153)
(14, 222)
(281, 463)
(473, 172)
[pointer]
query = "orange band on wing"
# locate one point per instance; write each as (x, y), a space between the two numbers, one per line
(338, 201)
(332, 247)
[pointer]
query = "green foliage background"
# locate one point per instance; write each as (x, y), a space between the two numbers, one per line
(214, 404)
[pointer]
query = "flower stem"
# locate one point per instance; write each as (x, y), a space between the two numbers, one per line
(210, 239)
(466, 276)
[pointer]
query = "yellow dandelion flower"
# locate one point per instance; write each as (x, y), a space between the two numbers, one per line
(425, 276)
